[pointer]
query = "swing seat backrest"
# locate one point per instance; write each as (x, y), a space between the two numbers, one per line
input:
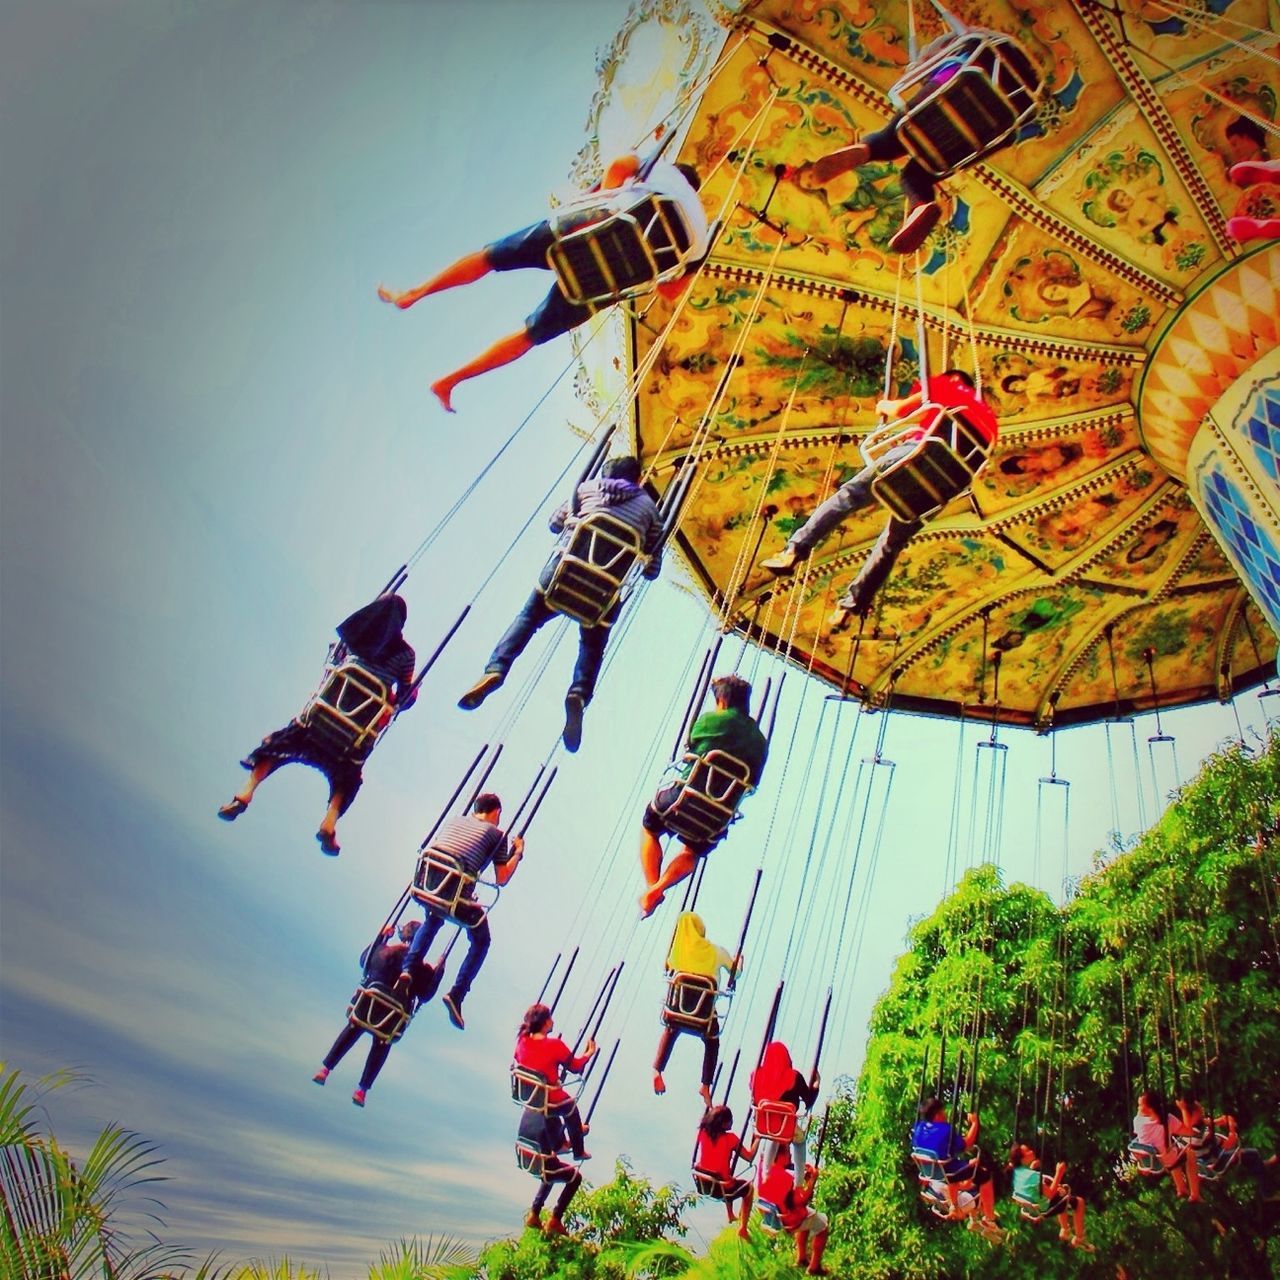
(709, 795)
(691, 1002)
(932, 1167)
(1028, 1209)
(775, 1121)
(441, 883)
(709, 1184)
(1214, 1161)
(770, 1217)
(530, 1089)
(350, 709)
(593, 567)
(940, 467)
(532, 1159)
(1146, 1159)
(969, 97)
(935, 1198)
(610, 248)
(379, 1012)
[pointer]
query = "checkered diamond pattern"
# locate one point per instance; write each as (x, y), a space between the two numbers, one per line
(1249, 542)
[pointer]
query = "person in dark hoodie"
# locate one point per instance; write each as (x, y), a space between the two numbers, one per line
(617, 491)
(374, 637)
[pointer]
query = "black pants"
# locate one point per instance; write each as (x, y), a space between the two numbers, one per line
(917, 183)
(557, 1171)
(378, 1052)
(710, 1049)
(569, 1114)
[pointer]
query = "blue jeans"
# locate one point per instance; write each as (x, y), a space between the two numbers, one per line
(478, 940)
(535, 614)
(853, 496)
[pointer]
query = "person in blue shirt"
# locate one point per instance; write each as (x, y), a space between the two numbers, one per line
(934, 1133)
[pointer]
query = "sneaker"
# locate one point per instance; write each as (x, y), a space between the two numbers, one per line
(479, 691)
(784, 562)
(453, 1006)
(328, 843)
(834, 163)
(533, 1220)
(920, 220)
(1243, 229)
(358, 1097)
(321, 1076)
(554, 1227)
(1247, 172)
(573, 708)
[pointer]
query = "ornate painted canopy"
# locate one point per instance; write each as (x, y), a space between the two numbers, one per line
(1079, 580)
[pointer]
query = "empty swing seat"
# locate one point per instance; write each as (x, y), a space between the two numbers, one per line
(967, 97)
(592, 569)
(939, 469)
(690, 1003)
(775, 1121)
(530, 1089)
(610, 247)
(350, 709)
(441, 883)
(708, 798)
(379, 1012)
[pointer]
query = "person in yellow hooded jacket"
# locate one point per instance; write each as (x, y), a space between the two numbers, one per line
(693, 954)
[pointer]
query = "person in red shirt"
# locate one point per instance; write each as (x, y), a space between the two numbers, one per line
(799, 1219)
(953, 389)
(538, 1050)
(718, 1146)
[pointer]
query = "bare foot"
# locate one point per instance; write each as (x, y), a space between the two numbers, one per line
(443, 391)
(659, 1084)
(650, 901)
(402, 300)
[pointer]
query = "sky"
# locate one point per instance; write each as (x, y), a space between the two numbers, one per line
(215, 443)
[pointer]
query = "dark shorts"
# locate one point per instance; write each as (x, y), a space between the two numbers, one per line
(296, 744)
(653, 823)
(526, 250)
(1063, 1202)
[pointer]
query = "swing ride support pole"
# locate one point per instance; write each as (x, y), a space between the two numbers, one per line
(955, 1084)
(942, 1058)
(537, 804)
(453, 799)
(773, 714)
(392, 917)
(608, 1000)
(699, 692)
(396, 581)
(746, 924)
(771, 1023)
(924, 1076)
(595, 1004)
(551, 973)
(822, 1137)
(439, 649)
(484, 777)
(564, 979)
(822, 1035)
(733, 1071)
(528, 795)
(613, 1053)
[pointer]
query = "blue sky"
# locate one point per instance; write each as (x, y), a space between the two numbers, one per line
(216, 442)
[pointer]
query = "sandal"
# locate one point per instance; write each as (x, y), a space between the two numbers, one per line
(234, 807)
(328, 843)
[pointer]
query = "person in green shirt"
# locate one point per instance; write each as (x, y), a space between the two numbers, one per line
(1047, 1197)
(729, 728)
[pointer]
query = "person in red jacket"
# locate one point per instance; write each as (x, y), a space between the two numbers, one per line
(718, 1145)
(538, 1050)
(798, 1217)
(953, 389)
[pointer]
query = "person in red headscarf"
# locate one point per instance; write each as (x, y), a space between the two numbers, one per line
(777, 1080)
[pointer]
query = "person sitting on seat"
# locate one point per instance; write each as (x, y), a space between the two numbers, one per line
(718, 1146)
(777, 1080)
(528, 249)
(799, 1219)
(538, 1050)
(728, 728)
(618, 492)
(545, 1133)
(953, 389)
(373, 636)
(934, 1133)
(918, 184)
(1199, 1133)
(381, 962)
(476, 841)
(693, 953)
(1153, 1127)
(1048, 1197)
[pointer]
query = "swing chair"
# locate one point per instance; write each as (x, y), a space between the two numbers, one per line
(609, 247)
(691, 1002)
(593, 568)
(940, 468)
(351, 709)
(443, 885)
(379, 1012)
(710, 789)
(968, 95)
